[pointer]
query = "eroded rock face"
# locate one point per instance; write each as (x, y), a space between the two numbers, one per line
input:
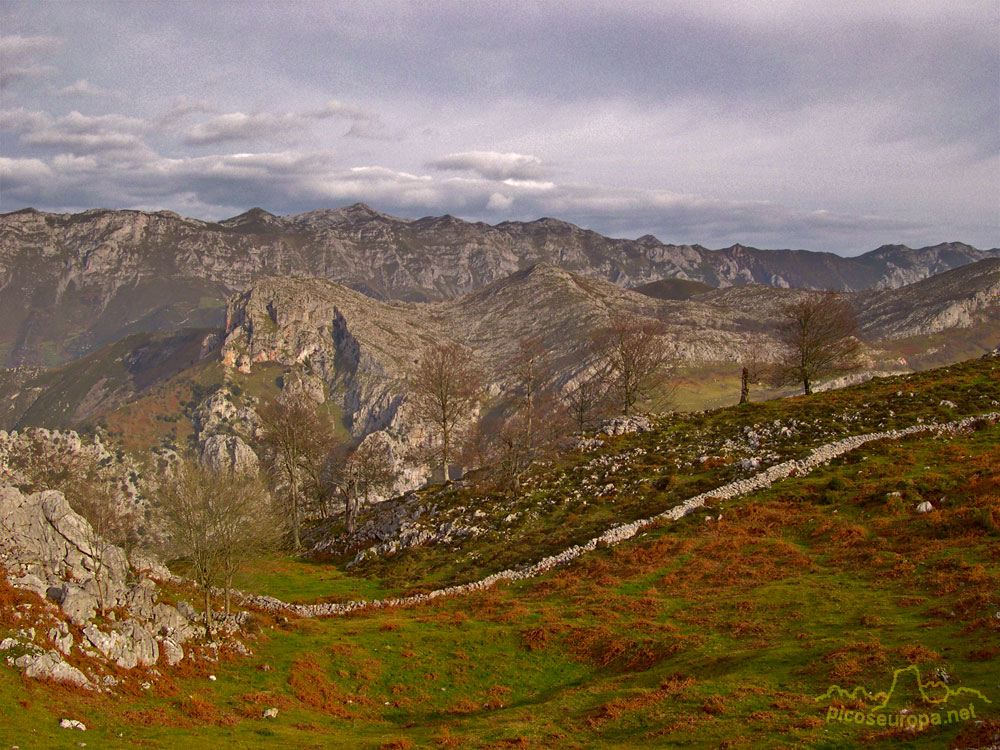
(49, 549)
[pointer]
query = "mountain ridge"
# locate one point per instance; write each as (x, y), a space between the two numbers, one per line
(74, 282)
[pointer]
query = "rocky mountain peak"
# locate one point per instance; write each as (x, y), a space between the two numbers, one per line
(255, 218)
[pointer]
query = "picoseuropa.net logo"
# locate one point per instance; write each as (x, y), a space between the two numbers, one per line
(892, 707)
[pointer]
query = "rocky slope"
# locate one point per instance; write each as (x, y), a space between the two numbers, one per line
(70, 283)
(50, 551)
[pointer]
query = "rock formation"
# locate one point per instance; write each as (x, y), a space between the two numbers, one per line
(48, 549)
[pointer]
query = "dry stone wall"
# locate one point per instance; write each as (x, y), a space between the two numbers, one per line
(622, 532)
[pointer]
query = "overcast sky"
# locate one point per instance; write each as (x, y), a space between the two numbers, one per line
(828, 125)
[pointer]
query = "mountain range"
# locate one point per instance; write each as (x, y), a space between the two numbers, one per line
(70, 283)
(362, 348)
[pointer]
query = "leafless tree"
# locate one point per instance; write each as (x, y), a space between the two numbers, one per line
(820, 338)
(630, 351)
(587, 399)
(529, 372)
(754, 367)
(295, 440)
(444, 388)
(508, 445)
(216, 523)
(359, 473)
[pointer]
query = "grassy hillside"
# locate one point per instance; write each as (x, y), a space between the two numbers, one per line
(728, 632)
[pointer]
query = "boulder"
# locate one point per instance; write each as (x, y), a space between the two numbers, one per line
(140, 642)
(50, 666)
(77, 604)
(172, 651)
(61, 639)
(128, 645)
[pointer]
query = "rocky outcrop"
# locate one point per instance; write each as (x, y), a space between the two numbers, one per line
(48, 549)
(27, 455)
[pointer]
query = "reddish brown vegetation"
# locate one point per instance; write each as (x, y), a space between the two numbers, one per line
(672, 685)
(310, 686)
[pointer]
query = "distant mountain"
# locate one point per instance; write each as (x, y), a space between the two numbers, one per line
(362, 348)
(70, 283)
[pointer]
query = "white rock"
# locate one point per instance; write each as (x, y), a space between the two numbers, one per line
(925, 507)
(72, 724)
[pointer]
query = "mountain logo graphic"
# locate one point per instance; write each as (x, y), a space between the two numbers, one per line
(933, 692)
(899, 708)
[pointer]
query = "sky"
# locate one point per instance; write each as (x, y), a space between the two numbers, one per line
(837, 126)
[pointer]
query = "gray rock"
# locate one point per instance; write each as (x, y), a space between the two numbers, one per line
(228, 453)
(172, 651)
(31, 583)
(72, 724)
(141, 643)
(50, 666)
(77, 604)
(925, 507)
(62, 640)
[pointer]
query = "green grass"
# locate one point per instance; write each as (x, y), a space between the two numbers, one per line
(694, 634)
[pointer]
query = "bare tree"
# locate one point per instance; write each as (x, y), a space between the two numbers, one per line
(250, 525)
(357, 473)
(216, 523)
(509, 445)
(820, 338)
(295, 439)
(529, 372)
(587, 399)
(187, 514)
(444, 388)
(630, 351)
(754, 367)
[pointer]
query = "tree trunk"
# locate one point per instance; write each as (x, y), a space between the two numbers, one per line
(444, 457)
(807, 385)
(295, 514)
(745, 387)
(208, 613)
(229, 589)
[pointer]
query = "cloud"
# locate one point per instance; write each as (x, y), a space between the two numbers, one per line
(19, 57)
(237, 126)
(295, 181)
(791, 123)
(364, 122)
(111, 135)
(287, 127)
(493, 165)
(181, 108)
(84, 88)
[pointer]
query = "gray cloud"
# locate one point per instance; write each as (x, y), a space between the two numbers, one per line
(19, 57)
(237, 126)
(493, 165)
(791, 123)
(290, 181)
(83, 88)
(77, 133)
